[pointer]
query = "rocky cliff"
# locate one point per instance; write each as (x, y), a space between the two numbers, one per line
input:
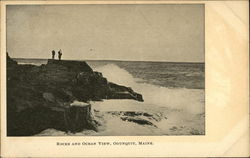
(41, 97)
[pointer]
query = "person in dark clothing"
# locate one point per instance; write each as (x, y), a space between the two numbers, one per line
(53, 54)
(60, 54)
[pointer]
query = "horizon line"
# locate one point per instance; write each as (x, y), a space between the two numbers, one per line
(114, 60)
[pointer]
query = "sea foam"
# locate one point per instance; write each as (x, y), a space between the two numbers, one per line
(190, 100)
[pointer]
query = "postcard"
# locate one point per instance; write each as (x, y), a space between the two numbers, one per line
(124, 78)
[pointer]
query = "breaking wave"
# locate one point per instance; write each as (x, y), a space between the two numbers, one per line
(191, 100)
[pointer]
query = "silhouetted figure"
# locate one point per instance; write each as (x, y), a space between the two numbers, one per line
(53, 54)
(60, 54)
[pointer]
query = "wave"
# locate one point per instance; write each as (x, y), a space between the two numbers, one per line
(116, 74)
(190, 100)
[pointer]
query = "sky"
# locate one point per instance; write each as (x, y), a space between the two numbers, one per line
(163, 32)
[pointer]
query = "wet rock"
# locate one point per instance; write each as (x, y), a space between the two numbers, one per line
(174, 128)
(136, 114)
(122, 92)
(196, 132)
(133, 113)
(138, 121)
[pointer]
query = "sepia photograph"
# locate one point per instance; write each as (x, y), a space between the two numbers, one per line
(105, 70)
(124, 78)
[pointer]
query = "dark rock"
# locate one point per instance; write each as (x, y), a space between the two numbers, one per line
(133, 113)
(39, 97)
(196, 132)
(76, 66)
(122, 92)
(138, 121)
(10, 62)
(78, 118)
(136, 114)
(174, 128)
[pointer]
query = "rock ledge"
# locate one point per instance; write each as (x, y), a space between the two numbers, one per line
(46, 96)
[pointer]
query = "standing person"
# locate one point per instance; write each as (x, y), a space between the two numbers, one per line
(60, 54)
(53, 54)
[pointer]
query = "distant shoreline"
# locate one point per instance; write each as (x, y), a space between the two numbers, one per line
(115, 60)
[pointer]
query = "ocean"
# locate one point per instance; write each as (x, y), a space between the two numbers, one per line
(173, 93)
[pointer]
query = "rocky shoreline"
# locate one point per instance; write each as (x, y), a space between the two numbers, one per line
(56, 95)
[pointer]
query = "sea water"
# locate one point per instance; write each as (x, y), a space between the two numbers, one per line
(173, 93)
